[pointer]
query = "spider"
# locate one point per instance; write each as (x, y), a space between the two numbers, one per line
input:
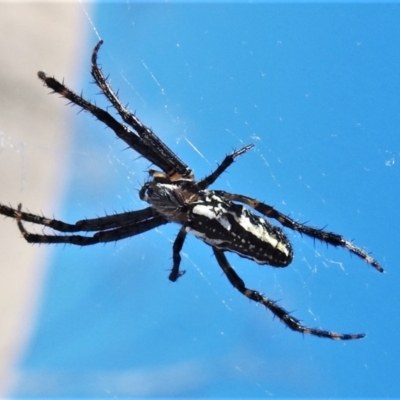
(218, 218)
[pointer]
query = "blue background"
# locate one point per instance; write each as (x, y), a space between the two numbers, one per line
(316, 88)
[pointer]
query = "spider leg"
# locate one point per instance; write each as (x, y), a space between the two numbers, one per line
(327, 237)
(228, 160)
(99, 237)
(281, 313)
(176, 249)
(94, 224)
(122, 131)
(169, 162)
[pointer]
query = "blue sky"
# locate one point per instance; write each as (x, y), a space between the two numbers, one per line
(316, 88)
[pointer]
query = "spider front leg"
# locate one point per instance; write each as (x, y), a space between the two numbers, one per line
(129, 137)
(327, 237)
(119, 230)
(87, 225)
(281, 313)
(153, 147)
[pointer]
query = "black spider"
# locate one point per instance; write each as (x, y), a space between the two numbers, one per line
(214, 216)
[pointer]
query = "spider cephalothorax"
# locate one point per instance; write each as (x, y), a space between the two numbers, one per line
(218, 218)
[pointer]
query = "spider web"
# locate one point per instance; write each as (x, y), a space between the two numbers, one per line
(207, 85)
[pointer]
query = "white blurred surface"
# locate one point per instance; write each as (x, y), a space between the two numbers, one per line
(34, 145)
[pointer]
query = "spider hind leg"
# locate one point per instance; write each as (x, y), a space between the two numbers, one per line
(291, 322)
(330, 238)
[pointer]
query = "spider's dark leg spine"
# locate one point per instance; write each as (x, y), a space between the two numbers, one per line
(168, 161)
(120, 130)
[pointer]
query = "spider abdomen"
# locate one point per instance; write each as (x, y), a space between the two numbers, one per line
(231, 227)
